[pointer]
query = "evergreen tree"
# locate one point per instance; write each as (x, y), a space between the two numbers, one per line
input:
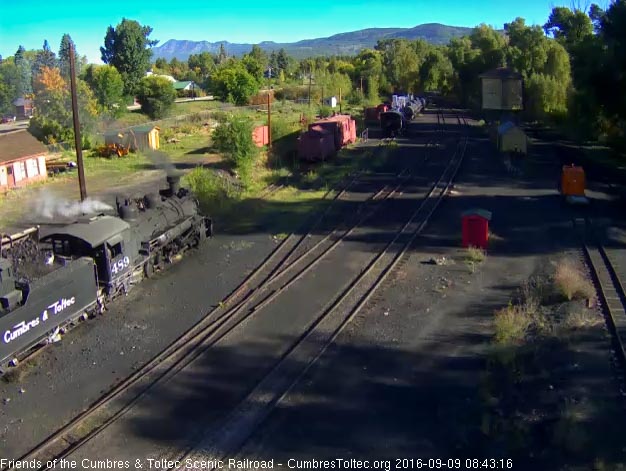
(44, 58)
(64, 57)
(24, 84)
(127, 48)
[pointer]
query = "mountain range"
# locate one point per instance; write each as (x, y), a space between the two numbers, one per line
(339, 44)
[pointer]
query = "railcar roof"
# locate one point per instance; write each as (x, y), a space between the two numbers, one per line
(94, 231)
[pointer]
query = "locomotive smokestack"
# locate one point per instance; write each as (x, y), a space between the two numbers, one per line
(173, 182)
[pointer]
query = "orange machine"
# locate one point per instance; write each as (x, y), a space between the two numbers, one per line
(572, 181)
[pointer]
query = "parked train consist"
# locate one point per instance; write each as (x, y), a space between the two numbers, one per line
(81, 266)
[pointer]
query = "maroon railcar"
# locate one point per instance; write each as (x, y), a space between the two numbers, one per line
(316, 144)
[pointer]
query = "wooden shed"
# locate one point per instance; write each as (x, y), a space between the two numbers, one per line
(511, 138)
(22, 159)
(138, 138)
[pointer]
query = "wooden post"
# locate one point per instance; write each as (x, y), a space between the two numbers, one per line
(269, 121)
(77, 139)
(339, 100)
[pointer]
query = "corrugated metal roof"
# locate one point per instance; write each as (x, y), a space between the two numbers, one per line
(94, 231)
(16, 145)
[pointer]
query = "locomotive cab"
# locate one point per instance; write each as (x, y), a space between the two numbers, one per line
(105, 239)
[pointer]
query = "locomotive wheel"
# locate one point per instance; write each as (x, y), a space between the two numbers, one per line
(148, 269)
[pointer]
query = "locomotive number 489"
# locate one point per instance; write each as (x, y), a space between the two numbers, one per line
(120, 265)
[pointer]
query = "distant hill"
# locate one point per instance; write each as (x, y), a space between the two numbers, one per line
(339, 44)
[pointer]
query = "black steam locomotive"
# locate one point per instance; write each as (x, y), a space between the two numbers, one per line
(81, 266)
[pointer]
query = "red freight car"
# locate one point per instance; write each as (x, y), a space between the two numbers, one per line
(343, 128)
(316, 144)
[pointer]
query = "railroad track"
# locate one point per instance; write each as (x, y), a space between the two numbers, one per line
(608, 284)
(226, 440)
(264, 285)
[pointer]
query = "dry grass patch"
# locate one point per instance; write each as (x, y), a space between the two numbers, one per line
(581, 318)
(571, 282)
(512, 324)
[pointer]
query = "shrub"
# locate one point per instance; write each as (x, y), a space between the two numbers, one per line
(212, 191)
(570, 281)
(233, 138)
(156, 95)
(325, 111)
(512, 323)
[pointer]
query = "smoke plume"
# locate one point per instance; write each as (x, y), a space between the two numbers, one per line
(49, 206)
(162, 161)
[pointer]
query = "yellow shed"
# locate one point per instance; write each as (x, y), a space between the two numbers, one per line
(138, 138)
(511, 138)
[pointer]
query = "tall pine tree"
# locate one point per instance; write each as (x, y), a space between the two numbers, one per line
(24, 84)
(44, 58)
(64, 56)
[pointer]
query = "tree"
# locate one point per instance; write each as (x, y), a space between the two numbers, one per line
(234, 139)
(253, 67)
(64, 57)
(222, 56)
(282, 60)
(24, 84)
(127, 48)
(108, 88)
(233, 83)
(44, 58)
(156, 95)
(260, 56)
(9, 82)
(49, 80)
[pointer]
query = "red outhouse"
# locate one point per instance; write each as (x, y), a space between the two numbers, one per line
(476, 228)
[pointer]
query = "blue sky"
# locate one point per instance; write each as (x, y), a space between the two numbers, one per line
(29, 22)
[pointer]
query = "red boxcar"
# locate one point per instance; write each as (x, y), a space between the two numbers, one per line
(316, 144)
(342, 127)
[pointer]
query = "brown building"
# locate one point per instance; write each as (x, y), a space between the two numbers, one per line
(22, 159)
(23, 108)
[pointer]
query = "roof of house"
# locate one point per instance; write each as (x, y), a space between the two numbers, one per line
(502, 73)
(17, 145)
(483, 213)
(182, 85)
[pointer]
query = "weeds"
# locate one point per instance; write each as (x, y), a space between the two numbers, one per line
(512, 324)
(474, 256)
(570, 281)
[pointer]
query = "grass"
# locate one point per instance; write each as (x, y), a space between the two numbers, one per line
(474, 256)
(570, 281)
(512, 324)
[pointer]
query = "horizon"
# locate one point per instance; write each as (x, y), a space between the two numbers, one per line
(30, 22)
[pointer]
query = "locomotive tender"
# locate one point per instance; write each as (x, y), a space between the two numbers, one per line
(93, 260)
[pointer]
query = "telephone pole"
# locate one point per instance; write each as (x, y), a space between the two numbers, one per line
(77, 138)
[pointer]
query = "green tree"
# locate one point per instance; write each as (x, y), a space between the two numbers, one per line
(108, 88)
(233, 83)
(222, 56)
(9, 82)
(24, 70)
(44, 58)
(253, 66)
(64, 56)
(127, 48)
(156, 95)
(162, 65)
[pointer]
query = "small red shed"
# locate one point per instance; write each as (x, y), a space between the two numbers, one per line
(260, 136)
(22, 159)
(475, 227)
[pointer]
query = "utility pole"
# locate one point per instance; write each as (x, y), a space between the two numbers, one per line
(310, 82)
(77, 139)
(362, 94)
(339, 100)
(269, 121)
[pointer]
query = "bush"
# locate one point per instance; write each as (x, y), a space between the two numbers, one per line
(211, 190)
(511, 324)
(233, 138)
(325, 111)
(156, 95)
(570, 281)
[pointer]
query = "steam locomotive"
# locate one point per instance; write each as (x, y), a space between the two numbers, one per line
(76, 269)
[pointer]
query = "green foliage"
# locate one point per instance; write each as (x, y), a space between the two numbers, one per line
(108, 87)
(9, 84)
(324, 111)
(49, 131)
(233, 83)
(212, 191)
(234, 139)
(127, 48)
(156, 95)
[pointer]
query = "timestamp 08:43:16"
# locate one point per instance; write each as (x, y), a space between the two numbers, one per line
(453, 463)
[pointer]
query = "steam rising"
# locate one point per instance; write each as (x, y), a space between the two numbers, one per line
(49, 206)
(162, 161)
